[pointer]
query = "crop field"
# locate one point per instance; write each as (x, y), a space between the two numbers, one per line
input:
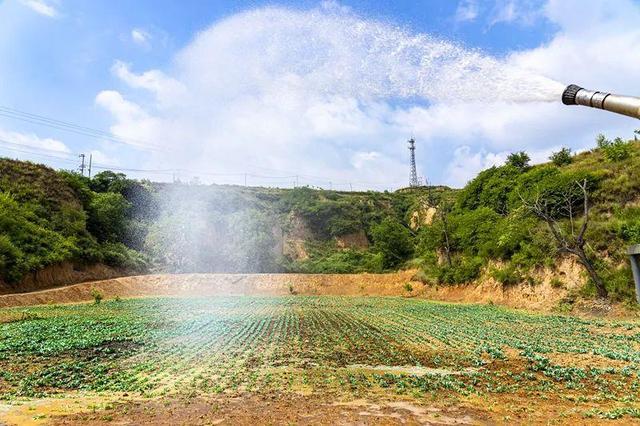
(504, 364)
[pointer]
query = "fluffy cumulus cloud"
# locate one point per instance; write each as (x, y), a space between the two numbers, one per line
(328, 96)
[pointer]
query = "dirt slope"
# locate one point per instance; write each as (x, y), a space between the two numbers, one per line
(61, 274)
(542, 297)
(223, 284)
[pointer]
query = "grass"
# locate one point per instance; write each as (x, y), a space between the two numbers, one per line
(357, 346)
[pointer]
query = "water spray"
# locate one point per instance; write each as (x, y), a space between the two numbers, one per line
(625, 105)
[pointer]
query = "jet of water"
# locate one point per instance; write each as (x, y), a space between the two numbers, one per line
(336, 52)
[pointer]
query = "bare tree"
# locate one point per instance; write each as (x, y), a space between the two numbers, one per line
(570, 241)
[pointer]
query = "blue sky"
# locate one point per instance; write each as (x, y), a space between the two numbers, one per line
(195, 79)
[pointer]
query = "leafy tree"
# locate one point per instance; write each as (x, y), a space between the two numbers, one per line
(562, 157)
(107, 216)
(393, 241)
(475, 232)
(109, 181)
(490, 189)
(26, 242)
(519, 160)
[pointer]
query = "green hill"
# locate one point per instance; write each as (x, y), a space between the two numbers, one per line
(499, 215)
(452, 236)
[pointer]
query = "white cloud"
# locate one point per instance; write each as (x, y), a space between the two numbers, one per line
(165, 89)
(41, 7)
(466, 163)
(132, 121)
(17, 140)
(524, 12)
(141, 37)
(467, 11)
(360, 159)
(99, 158)
(32, 147)
(316, 92)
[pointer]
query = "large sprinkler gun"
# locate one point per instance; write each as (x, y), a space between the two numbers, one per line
(626, 105)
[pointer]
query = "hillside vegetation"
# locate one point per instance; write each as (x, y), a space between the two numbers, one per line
(504, 223)
(526, 217)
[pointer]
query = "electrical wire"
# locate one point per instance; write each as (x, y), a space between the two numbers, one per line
(74, 128)
(28, 117)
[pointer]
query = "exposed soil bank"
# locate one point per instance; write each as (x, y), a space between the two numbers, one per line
(59, 275)
(392, 284)
(542, 297)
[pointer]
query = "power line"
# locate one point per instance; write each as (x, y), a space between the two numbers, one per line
(62, 159)
(68, 157)
(74, 128)
(20, 145)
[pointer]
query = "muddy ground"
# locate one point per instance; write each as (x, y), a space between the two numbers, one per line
(250, 409)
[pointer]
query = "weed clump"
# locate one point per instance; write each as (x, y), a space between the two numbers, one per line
(97, 296)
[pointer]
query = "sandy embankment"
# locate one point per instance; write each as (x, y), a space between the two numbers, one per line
(542, 296)
(392, 284)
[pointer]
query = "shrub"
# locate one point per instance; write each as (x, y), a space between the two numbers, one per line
(97, 296)
(119, 255)
(619, 282)
(462, 270)
(614, 151)
(630, 231)
(507, 276)
(408, 287)
(332, 261)
(556, 283)
(562, 157)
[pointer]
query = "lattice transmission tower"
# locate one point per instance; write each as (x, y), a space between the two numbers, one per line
(413, 174)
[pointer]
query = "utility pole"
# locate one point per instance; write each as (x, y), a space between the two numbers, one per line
(81, 164)
(90, 161)
(413, 174)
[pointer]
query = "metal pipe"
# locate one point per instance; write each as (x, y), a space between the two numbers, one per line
(625, 105)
